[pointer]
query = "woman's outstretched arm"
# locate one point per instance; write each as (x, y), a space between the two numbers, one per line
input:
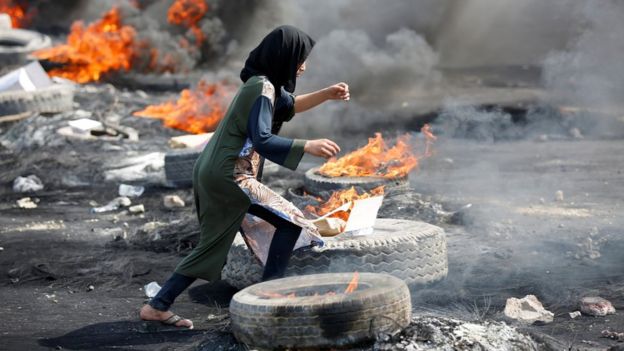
(338, 91)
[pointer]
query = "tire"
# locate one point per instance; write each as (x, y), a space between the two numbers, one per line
(53, 99)
(380, 305)
(315, 183)
(17, 44)
(412, 251)
(179, 168)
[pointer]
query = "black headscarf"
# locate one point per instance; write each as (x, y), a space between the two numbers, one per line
(278, 56)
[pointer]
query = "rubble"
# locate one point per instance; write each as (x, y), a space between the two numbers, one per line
(113, 205)
(173, 201)
(26, 203)
(136, 209)
(527, 310)
(27, 184)
(439, 333)
(596, 306)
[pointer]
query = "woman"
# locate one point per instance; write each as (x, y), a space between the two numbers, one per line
(225, 178)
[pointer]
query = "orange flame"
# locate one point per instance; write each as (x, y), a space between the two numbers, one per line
(188, 13)
(353, 284)
(377, 160)
(18, 11)
(341, 197)
(103, 46)
(196, 111)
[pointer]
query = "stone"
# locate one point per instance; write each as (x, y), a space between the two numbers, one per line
(596, 306)
(90, 288)
(26, 203)
(575, 314)
(527, 310)
(136, 209)
(173, 201)
(559, 196)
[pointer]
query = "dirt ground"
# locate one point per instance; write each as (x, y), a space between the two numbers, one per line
(70, 281)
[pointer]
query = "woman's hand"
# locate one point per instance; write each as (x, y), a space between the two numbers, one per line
(338, 91)
(321, 148)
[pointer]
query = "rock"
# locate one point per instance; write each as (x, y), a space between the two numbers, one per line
(596, 306)
(173, 201)
(575, 314)
(27, 184)
(527, 310)
(559, 196)
(151, 289)
(136, 209)
(26, 202)
(90, 288)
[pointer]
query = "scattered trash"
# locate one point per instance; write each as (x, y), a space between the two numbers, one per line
(173, 201)
(90, 288)
(26, 203)
(575, 314)
(85, 125)
(136, 209)
(113, 205)
(596, 306)
(147, 168)
(613, 335)
(151, 289)
(559, 196)
(130, 190)
(528, 310)
(27, 184)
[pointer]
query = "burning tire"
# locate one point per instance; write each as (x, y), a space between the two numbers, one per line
(56, 98)
(17, 44)
(263, 315)
(409, 250)
(315, 183)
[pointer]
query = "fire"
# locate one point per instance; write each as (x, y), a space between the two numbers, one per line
(376, 159)
(353, 284)
(341, 197)
(18, 11)
(188, 13)
(196, 111)
(103, 46)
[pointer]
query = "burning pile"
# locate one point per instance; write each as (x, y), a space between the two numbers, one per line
(339, 198)
(188, 13)
(196, 111)
(19, 12)
(376, 159)
(90, 52)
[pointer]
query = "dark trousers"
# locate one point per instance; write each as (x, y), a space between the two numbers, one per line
(284, 240)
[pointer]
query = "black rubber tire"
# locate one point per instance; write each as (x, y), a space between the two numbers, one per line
(56, 98)
(23, 43)
(380, 305)
(315, 183)
(412, 251)
(179, 168)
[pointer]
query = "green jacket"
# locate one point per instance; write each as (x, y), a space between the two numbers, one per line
(221, 204)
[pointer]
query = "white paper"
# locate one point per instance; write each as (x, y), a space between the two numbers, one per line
(363, 214)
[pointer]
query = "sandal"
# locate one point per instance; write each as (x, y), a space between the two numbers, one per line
(175, 319)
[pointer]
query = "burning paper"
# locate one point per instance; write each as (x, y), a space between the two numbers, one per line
(376, 159)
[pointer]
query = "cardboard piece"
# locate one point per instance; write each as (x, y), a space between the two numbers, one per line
(362, 217)
(27, 78)
(190, 141)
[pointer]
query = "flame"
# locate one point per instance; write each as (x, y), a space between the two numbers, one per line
(353, 284)
(341, 197)
(18, 11)
(103, 46)
(188, 13)
(196, 111)
(377, 160)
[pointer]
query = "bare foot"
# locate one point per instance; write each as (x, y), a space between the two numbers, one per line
(149, 313)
